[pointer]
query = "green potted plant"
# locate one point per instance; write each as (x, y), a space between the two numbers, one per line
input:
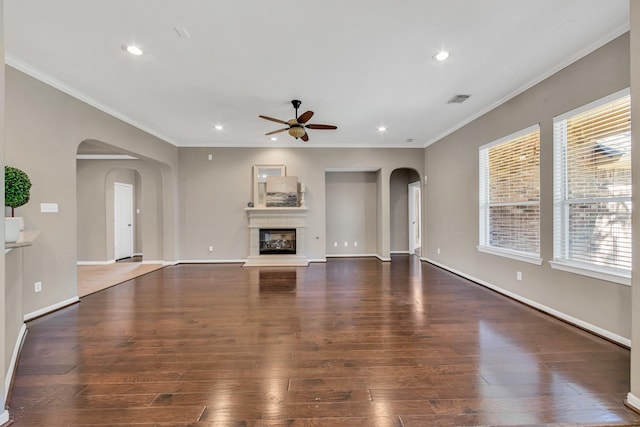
(16, 193)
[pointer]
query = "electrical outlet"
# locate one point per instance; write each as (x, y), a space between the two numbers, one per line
(210, 248)
(335, 244)
(346, 244)
(38, 286)
(210, 156)
(438, 251)
(355, 244)
(519, 275)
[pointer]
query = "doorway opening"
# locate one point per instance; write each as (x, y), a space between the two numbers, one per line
(415, 215)
(405, 212)
(123, 221)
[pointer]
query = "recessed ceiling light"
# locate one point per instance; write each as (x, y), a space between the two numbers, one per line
(441, 56)
(133, 50)
(382, 129)
(218, 127)
(273, 138)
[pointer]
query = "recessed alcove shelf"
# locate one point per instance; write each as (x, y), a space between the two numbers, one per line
(284, 218)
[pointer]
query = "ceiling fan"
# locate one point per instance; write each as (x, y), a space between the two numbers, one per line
(297, 126)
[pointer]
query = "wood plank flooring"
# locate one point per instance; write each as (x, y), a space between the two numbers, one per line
(353, 342)
(94, 278)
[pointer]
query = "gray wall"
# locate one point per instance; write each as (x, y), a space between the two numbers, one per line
(351, 209)
(43, 130)
(214, 193)
(451, 202)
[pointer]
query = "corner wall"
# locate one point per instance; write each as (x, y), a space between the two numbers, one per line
(44, 127)
(5, 354)
(451, 196)
(634, 396)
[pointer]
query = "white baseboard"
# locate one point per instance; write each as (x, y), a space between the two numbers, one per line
(14, 360)
(111, 261)
(633, 401)
(381, 258)
(140, 254)
(54, 307)
(352, 256)
(400, 252)
(318, 260)
(152, 261)
(567, 318)
(4, 417)
(211, 261)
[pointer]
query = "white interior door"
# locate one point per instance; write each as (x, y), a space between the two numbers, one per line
(123, 220)
(415, 218)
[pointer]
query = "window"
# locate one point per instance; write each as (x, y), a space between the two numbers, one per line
(510, 196)
(592, 189)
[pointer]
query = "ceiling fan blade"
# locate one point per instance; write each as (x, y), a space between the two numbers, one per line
(274, 120)
(305, 137)
(304, 117)
(321, 126)
(277, 131)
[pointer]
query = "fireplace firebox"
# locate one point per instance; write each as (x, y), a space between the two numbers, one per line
(277, 241)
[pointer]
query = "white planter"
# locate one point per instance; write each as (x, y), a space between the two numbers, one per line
(20, 221)
(11, 229)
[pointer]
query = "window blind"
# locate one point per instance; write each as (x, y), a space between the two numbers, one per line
(592, 191)
(510, 192)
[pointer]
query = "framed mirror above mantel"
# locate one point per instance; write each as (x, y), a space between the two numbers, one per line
(260, 174)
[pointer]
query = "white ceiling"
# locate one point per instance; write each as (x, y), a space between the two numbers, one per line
(357, 64)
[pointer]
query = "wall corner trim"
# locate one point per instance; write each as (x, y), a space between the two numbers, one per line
(47, 310)
(14, 360)
(4, 417)
(553, 312)
(633, 402)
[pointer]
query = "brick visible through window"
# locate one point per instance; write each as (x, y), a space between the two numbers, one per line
(592, 154)
(510, 192)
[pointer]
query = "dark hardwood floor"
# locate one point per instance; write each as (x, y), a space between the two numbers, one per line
(353, 342)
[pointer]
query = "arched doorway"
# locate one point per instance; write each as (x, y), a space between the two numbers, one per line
(100, 171)
(405, 211)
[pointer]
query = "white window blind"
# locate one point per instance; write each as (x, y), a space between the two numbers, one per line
(592, 188)
(510, 193)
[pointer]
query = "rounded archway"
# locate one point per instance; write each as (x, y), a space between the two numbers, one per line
(405, 211)
(98, 167)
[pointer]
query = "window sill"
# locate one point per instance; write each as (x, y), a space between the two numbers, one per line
(601, 273)
(520, 256)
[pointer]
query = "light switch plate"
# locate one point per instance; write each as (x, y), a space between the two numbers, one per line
(48, 207)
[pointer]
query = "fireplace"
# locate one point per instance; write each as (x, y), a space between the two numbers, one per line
(277, 241)
(279, 231)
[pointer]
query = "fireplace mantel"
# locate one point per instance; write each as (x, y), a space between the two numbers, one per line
(293, 217)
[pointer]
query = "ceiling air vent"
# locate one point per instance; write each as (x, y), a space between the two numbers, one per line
(458, 99)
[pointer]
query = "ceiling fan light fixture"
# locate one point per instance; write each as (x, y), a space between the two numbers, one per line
(296, 131)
